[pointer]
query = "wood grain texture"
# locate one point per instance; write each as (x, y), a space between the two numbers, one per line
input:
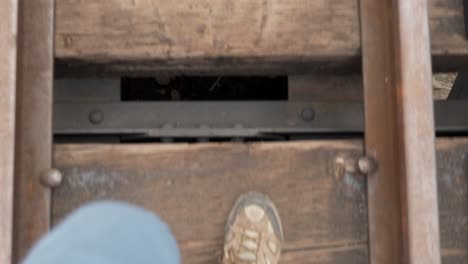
(452, 163)
(323, 216)
(8, 42)
(223, 36)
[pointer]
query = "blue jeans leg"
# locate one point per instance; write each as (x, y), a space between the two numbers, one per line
(107, 233)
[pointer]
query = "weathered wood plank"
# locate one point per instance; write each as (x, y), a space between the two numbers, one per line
(8, 41)
(33, 144)
(325, 217)
(211, 36)
(452, 163)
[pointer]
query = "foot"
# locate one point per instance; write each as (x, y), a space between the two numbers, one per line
(253, 231)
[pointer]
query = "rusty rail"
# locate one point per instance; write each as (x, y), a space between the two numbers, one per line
(34, 122)
(8, 30)
(402, 194)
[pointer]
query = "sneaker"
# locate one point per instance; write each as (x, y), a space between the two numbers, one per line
(253, 231)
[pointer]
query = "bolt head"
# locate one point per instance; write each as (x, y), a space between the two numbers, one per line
(96, 117)
(345, 165)
(51, 178)
(367, 165)
(308, 114)
(339, 168)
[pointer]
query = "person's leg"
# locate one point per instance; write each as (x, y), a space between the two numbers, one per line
(107, 233)
(253, 231)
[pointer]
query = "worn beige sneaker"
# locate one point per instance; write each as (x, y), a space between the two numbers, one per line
(253, 231)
